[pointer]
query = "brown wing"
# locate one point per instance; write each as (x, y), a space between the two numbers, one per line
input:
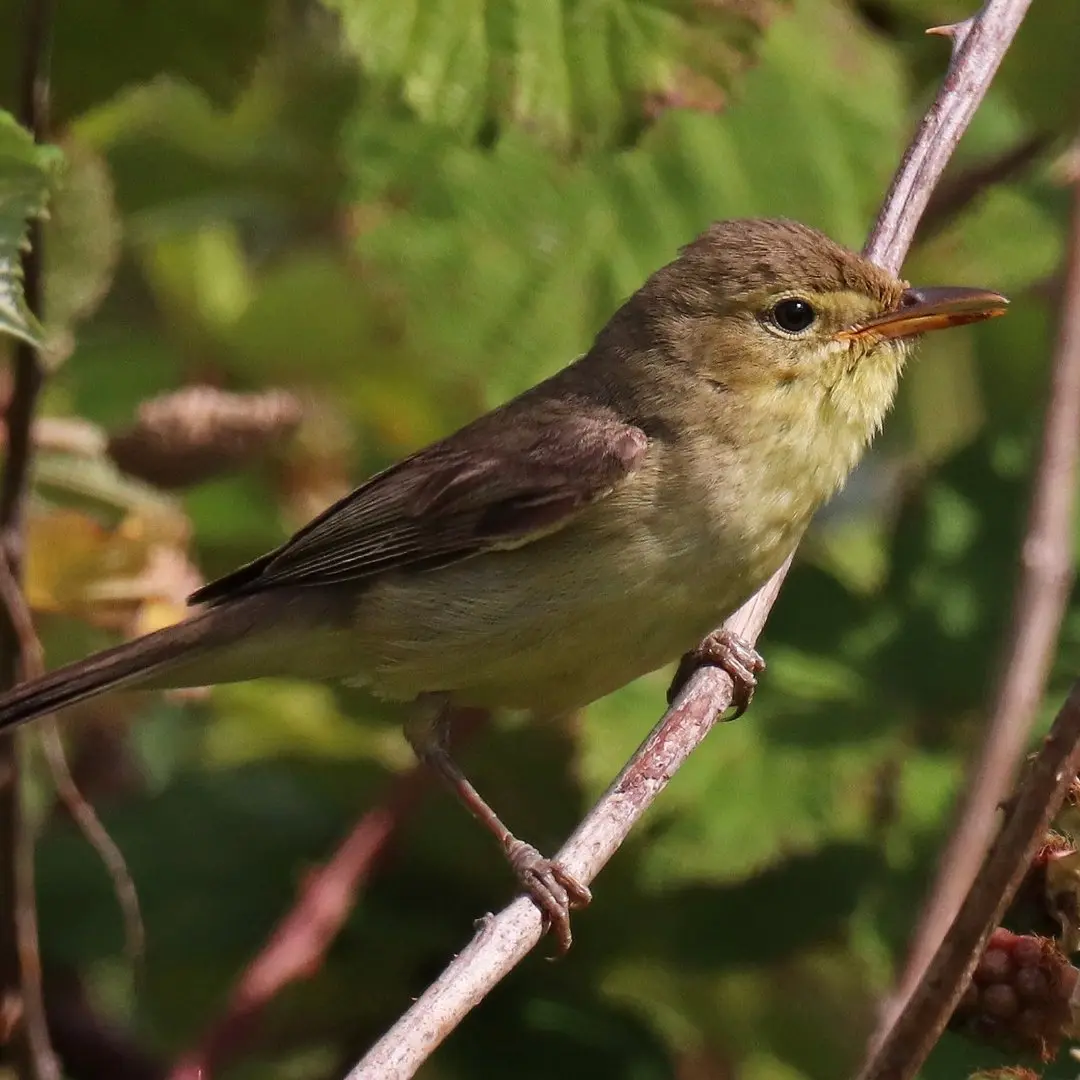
(496, 484)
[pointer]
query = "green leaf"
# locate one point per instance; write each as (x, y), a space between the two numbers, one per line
(82, 238)
(749, 795)
(572, 72)
(1038, 70)
(26, 174)
(510, 259)
(103, 47)
(177, 159)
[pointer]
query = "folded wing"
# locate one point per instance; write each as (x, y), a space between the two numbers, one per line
(479, 490)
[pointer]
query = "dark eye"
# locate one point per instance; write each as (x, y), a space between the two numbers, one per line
(793, 315)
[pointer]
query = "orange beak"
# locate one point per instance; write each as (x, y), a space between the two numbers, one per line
(929, 309)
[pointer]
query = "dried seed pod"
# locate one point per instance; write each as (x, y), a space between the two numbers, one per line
(200, 432)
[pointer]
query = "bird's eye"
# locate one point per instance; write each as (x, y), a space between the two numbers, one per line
(793, 315)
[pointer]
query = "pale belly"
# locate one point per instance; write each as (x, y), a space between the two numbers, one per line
(625, 588)
(547, 634)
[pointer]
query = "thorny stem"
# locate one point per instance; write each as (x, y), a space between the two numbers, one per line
(935, 974)
(980, 43)
(504, 939)
(919, 1026)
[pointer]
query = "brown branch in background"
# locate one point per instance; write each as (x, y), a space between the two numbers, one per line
(1042, 595)
(97, 836)
(298, 945)
(956, 193)
(505, 939)
(20, 965)
(922, 1021)
(300, 941)
(200, 432)
(82, 813)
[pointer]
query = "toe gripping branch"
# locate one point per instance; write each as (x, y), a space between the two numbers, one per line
(730, 653)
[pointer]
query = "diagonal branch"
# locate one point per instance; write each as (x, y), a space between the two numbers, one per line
(935, 974)
(918, 1028)
(979, 43)
(504, 939)
(298, 944)
(1039, 606)
(955, 194)
(20, 965)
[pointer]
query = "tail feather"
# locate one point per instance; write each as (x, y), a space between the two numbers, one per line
(142, 662)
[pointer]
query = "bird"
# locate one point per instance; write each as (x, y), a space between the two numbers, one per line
(595, 528)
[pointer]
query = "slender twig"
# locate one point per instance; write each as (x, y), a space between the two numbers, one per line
(20, 966)
(32, 666)
(36, 1053)
(921, 1023)
(86, 820)
(504, 939)
(1042, 596)
(933, 978)
(299, 943)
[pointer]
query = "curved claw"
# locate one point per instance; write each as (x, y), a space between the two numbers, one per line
(726, 650)
(554, 890)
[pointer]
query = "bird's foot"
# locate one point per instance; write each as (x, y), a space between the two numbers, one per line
(554, 890)
(731, 653)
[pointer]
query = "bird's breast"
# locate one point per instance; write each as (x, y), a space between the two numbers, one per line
(627, 587)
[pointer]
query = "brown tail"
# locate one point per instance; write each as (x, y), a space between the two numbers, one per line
(141, 662)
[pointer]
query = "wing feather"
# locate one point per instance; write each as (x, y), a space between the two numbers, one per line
(474, 492)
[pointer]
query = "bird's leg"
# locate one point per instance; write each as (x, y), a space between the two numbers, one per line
(554, 890)
(733, 654)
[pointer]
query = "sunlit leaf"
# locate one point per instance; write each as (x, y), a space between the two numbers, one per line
(570, 71)
(82, 239)
(27, 173)
(131, 576)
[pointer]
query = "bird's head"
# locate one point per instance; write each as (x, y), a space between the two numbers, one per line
(775, 313)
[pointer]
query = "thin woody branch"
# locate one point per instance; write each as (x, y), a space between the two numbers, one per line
(299, 943)
(919, 1026)
(503, 940)
(20, 966)
(936, 973)
(1041, 599)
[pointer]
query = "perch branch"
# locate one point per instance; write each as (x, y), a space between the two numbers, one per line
(1041, 599)
(504, 939)
(20, 964)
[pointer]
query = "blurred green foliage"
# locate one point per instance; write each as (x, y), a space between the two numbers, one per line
(406, 212)
(27, 171)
